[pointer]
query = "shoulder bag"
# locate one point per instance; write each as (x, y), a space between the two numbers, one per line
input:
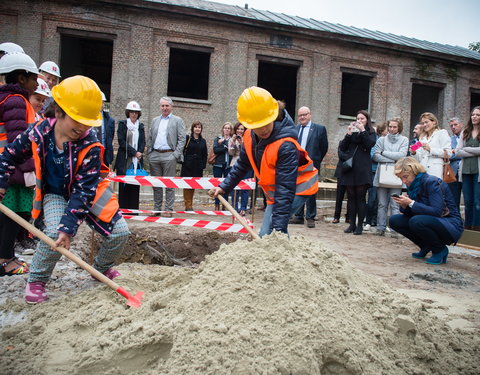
(387, 177)
(347, 165)
(448, 175)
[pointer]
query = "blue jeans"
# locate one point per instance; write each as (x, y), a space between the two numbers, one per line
(471, 197)
(372, 206)
(384, 196)
(456, 189)
(425, 231)
(267, 228)
(242, 196)
(220, 172)
(311, 204)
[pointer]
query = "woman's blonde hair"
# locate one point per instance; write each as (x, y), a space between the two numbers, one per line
(431, 117)
(227, 123)
(409, 165)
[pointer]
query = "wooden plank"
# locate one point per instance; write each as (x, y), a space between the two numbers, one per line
(470, 239)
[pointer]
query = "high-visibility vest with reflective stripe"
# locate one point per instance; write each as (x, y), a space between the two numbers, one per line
(29, 119)
(105, 204)
(307, 175)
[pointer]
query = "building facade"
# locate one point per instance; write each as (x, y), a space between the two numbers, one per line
(204, 54)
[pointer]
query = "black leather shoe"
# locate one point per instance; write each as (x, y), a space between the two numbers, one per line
(350, 229)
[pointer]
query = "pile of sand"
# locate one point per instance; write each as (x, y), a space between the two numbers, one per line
(274, 306)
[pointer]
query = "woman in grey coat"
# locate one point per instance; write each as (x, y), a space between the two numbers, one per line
(388, 150)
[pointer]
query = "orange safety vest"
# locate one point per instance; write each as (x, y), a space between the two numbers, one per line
(105, 204)
(307, 175)
(29, 119)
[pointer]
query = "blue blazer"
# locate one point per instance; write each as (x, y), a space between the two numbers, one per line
(317, 143)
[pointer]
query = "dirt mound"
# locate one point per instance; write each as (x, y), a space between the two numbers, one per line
(274, 306)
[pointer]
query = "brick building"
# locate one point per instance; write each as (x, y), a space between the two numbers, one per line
(204, 54)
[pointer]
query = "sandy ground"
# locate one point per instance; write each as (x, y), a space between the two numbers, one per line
(450, 292)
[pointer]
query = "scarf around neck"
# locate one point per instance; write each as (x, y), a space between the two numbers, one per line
(133, 127)
(414, 187)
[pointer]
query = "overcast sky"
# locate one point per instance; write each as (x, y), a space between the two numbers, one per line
(454, 22)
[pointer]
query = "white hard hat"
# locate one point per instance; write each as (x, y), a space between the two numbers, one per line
(133, 106)
(43, 88)
(9, 47)
(17, 61)
(50, 67)
(104, 98)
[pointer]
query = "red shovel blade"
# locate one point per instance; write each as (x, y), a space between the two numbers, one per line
(133, 301)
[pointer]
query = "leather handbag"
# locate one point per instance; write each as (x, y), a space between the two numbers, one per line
(347, 165)
(211, 157)
(387, 177)
(448, 175)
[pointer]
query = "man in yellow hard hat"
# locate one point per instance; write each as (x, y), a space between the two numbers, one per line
(284, 171)
(70, 187)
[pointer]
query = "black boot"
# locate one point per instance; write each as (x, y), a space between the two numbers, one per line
(351, 228)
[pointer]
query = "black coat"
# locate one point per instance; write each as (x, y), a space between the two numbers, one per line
(124, 149)
(361, 173)
(195, 157)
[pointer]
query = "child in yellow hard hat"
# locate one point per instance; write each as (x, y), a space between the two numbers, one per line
(70, 186)
(284, 170)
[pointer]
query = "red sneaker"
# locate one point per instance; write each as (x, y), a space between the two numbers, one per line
(35, 292)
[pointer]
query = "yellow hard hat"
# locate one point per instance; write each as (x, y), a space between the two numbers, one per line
(256, 107)
(80, 98)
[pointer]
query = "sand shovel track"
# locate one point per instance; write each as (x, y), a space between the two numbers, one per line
(133, 301)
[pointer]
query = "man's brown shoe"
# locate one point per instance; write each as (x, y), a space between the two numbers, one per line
(310, 223)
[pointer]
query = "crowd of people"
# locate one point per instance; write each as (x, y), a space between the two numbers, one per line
(59, 137)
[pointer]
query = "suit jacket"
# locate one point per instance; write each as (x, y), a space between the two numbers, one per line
(109, 128)
(317, 143)
(455, 160)
(175, 135)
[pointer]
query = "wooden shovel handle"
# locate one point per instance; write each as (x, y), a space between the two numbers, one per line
(239, 218)
(38, 233)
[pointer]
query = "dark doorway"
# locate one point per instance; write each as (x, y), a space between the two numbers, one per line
(281, 81)
(424, 99)
(88, 57)
(474, 99)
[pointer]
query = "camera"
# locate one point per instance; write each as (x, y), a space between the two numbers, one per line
(395, 195)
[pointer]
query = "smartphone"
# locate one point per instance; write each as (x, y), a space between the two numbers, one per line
(395, 195)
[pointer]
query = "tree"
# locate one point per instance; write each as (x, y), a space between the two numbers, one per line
(474, 46)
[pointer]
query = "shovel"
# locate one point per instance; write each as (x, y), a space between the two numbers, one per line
(238, 217)
(133, 301)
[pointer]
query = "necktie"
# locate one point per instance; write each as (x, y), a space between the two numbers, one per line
(301, 134)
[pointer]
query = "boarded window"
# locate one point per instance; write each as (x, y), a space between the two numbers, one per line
(355, 93)
(188, 73)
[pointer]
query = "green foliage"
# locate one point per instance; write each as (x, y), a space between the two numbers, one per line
(475, 46)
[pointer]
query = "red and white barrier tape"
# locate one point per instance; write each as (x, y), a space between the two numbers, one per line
(181, 182)
(221, 213)
(215, 225)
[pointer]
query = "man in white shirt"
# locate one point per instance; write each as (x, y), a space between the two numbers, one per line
(166, 140)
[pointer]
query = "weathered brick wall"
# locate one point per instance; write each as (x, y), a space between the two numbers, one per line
(140, 64)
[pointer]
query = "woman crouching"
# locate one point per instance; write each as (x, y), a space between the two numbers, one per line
(429, 216)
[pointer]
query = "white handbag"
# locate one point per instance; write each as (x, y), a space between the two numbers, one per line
(387, 177)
